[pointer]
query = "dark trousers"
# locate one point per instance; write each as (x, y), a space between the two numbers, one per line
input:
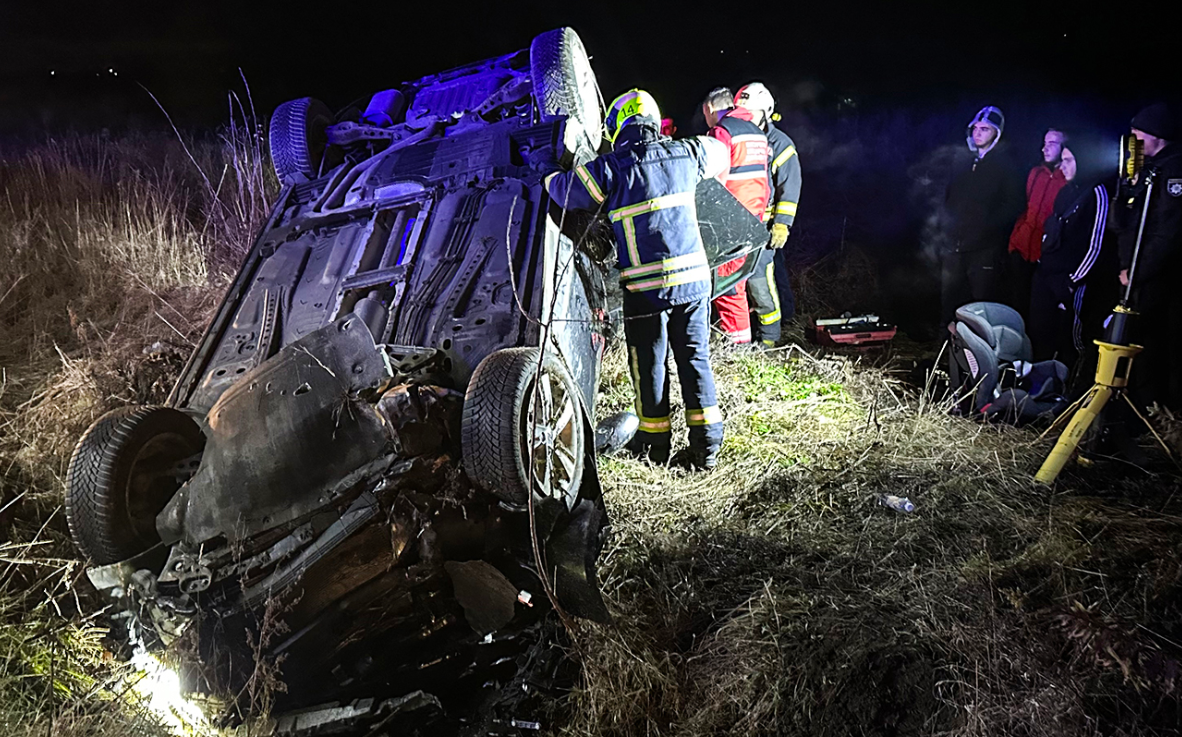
(967, 276)
(683, 330)
(764, 299)
(1019, 276)
(783, 285)
(1157, 370)
(1053, 322)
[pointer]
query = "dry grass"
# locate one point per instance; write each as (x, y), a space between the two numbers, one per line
(775, 596)
(115, 252)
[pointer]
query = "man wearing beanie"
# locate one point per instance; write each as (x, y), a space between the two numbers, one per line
(983, 201)
(1157, 296)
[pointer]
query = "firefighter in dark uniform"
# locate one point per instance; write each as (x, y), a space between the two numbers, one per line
(770, 295)
(747, 180)
(646, 187)
(1157, 371)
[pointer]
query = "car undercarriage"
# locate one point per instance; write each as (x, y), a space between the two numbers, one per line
(376, 474)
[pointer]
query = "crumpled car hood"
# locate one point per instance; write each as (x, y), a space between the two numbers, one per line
(288, 438)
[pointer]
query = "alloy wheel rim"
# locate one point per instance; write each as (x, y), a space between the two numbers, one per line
(551, 434)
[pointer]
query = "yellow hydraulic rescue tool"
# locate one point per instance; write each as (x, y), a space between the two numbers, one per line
(1116, 352)
(1112, 376)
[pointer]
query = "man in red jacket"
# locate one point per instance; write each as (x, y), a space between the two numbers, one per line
(747, 180)
(1042, 186)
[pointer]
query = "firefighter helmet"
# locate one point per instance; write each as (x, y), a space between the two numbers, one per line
(627, 108)
(756, 98)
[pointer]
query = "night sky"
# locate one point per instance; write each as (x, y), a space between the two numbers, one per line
(189, 53)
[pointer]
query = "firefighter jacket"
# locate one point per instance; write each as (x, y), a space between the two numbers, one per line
(747, 178)
(646, 187)
(784, 170)
(1042, 186)
(1161, 245)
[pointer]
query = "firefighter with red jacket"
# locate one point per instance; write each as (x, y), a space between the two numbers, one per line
(763, 289)
(747, 180)
(646, 187)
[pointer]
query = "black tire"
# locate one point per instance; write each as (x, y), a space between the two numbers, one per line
(564, 84)
(297, 139)
(499, 424)
(122, 474)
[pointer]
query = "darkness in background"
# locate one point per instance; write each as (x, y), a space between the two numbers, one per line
(876, 97)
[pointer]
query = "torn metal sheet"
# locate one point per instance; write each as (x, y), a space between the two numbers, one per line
(282, 439)
(487, 596)
(333, 719)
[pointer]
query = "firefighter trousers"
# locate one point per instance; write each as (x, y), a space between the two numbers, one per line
(734, 316)
(683, 330)
(764, 298)
(784, 285)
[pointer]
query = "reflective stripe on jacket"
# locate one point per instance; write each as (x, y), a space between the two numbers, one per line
(646, 187)
(747, 178)
(785, 175)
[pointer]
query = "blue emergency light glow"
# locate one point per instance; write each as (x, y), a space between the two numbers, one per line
(410, 224)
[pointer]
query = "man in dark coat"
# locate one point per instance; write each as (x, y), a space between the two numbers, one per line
(769, 292)
(1156, 296)
(981, 205)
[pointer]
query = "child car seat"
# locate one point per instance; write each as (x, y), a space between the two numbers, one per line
(990, 369)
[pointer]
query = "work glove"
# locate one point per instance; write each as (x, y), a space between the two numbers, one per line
(779, 235)
(543, 160)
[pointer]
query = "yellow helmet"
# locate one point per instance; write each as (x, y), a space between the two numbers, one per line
(634, 103)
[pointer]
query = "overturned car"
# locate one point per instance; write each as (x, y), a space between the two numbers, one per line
(384, 440)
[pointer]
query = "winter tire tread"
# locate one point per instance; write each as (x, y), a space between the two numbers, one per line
(490, 436)
(556, 85)
(294, 152)
(99, 467)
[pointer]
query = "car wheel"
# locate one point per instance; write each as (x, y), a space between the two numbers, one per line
(126, 467)
(298, 139)
(522, 419)
(564, 84)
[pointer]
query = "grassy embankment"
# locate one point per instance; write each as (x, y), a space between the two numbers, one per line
(776, 596)
(114, 254)
(773, 596)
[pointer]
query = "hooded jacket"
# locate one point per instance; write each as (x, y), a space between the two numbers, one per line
(1042, 186)
(1075, 237)
(982, 203)
(1160, 255)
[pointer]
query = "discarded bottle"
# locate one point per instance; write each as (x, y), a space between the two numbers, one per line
(898, 503)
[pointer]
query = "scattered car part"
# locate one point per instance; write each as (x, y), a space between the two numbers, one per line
(614, 432)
